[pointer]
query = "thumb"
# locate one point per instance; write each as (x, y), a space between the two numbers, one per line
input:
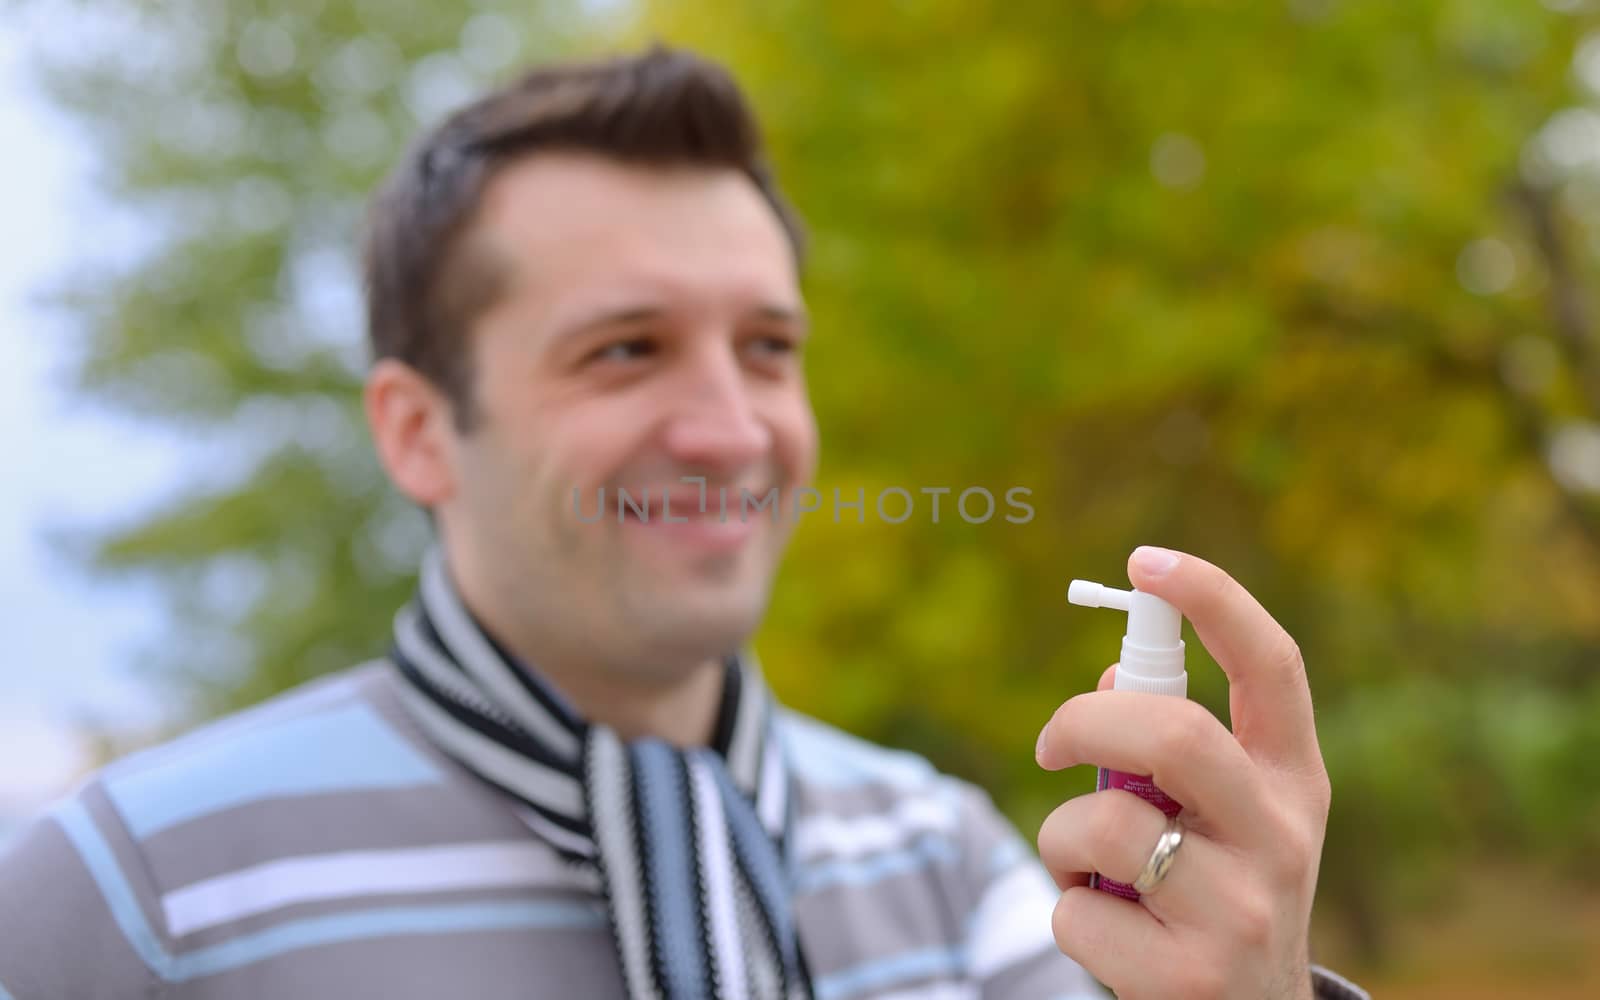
(1268, 695)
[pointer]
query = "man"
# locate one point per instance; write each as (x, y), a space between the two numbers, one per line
(566, 778)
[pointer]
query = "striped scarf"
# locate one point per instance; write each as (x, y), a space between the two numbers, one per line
(687, 844)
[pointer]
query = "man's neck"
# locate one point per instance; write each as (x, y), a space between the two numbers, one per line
(679, 705)
(683, 712)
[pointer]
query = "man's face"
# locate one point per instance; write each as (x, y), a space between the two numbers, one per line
(650, 330)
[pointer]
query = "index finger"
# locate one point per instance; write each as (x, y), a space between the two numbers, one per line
(1269, 697)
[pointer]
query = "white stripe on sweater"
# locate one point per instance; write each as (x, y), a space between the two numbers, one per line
(934, 991)
(835, 837)
(316, 878)
(1012, 920)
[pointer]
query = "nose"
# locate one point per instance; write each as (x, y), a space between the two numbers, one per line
(717, 424)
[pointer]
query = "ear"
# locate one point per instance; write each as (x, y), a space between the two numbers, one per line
(413, 431)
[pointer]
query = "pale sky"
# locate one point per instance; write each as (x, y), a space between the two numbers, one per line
(69, 643)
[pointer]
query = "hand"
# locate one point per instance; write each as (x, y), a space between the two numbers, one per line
(1232, 917)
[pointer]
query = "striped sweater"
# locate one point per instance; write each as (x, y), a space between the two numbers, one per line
(319, 846)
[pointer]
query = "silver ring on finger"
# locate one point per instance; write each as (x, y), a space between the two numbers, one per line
(1161, 858)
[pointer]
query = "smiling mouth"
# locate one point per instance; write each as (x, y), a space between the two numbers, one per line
(689, 530)
(679, 507)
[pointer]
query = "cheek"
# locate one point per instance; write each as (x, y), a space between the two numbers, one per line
(508, 470)
(583, 450)
(492, 482)
(796, 441)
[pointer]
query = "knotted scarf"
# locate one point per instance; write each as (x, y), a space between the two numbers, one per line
(688, 844)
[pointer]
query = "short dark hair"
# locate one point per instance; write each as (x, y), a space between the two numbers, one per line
(661, 107)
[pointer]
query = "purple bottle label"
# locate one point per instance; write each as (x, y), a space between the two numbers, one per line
(1141, 786)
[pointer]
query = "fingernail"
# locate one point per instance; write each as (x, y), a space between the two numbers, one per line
(1154, 561)
(1038, 748)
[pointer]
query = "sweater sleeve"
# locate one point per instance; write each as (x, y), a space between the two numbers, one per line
(1010, 949)
(75, 910)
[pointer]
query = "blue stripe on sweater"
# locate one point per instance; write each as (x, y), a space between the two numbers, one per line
(926, 850)
(882, 973)
(830, 758)
(120, 898)
(340, 749)
(382, 922)
(310, 932)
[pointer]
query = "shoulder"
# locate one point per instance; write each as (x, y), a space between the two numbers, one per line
(296, 809)
(823, 755)
(826, 760)
(853, 793)
(332, 766)
(335, 768)
(98, 866)
(248, 784)
(332, 734)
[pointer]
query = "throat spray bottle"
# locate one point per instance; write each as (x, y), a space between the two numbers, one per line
(1152, 662)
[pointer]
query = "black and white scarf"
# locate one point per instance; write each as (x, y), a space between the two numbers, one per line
(688, 844)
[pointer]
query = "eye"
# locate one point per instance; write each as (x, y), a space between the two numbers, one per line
(776, 344)
(630, 349)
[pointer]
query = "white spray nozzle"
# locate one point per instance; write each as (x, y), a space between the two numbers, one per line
(1097, 595)
(1152, 649)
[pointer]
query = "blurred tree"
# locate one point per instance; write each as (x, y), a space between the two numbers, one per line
(1303, 287)
(241, 139)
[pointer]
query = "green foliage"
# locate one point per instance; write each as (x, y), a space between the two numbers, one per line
(1301, 287)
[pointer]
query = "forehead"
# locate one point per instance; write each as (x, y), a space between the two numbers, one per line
(576, 231)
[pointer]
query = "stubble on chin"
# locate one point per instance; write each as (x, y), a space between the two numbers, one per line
(712, 615)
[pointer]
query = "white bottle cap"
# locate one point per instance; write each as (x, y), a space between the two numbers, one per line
(1152, 649)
